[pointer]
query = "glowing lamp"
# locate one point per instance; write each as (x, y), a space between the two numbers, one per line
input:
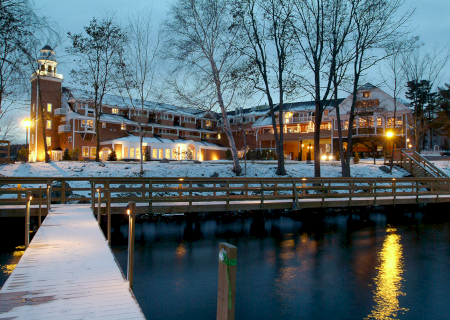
(389, 134)
(324, 157)
(304, 179)
(27, 123)
(128, 211)
(330, 158)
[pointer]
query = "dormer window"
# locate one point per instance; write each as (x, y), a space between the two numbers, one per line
(366, 94)
(115, 110)
(123, 126)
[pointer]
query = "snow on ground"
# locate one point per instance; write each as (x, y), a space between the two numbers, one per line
(365, 168)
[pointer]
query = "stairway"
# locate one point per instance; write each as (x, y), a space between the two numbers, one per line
(414, 163)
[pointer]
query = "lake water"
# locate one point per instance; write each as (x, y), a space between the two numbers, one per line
(286, 269)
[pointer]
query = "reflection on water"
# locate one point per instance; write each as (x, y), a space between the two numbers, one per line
(389, 280)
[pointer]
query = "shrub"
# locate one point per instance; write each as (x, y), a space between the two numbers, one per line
(228, 155)
(74, 153)
(308, 156)
(23, 154)
(66, 155)
(299, 156)
(338, 157)
(112, 156)
(147, 154)
(356, 157)
(258, 155)
(274, 155)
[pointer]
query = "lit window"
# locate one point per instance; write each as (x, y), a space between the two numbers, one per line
(131, 152)
(123, 126)
(161, 153)
(366, 94)
(49, 141)
(208, 123)
(168, 153)
(93, 152)
(379, 122)
(115, 110)
(49, 107)
(174, 153)
(138, 153)
(85, 151)
(399, 121)
(125, 152)
(390, 121)
(155, 153)
(49, 124)
(103, 124)
(83, 123)
(90, 124)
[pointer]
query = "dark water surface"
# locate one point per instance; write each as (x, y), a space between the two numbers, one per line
(286, 269)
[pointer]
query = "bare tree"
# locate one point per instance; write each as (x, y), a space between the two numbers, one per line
(199, 37)
(377, 23)
(267, 29)
(321, 30)
(137, 70)
(8, 127)
(97, 57)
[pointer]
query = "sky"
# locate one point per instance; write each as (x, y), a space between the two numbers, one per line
(430, 21)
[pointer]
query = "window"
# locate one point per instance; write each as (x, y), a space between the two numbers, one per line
(115, 110)
(231, 121)
(208, 123)
(131, 152)
(379, 122)
(69, 139)
(168, 153)
(174, 153)
(103, 124)
(93, 152)
(49, 141)
(125, 152)
(138, 153)
(325, 113)
(161, 155)
(155, 153)
(49, 107)
(166, 117)
(366, 94)
(83, 123)
(123, 126)
(49, 124)
(85, 151)
(399, 121)
(390, 121)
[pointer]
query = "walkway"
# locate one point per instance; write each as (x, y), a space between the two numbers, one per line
(68, 272)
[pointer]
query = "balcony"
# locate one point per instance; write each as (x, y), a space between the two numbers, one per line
(64, 128)
(295, 120)
(60, 112)
(48, 74)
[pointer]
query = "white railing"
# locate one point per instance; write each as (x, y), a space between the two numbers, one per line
(64, 128)
(60, 112)
(295, 120)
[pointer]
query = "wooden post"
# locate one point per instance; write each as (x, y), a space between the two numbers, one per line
(375, 191)
(227, 207)
(92, 197)
(190, 195)
(393, 190)
(295, 195)
(49, 196)
(99, 204)
(108, 216)
(19, 192)
(40, 206)
(27, 220)
(63, 192)
(150, 195)
(262, 195)
(132, 213)
(227, 283)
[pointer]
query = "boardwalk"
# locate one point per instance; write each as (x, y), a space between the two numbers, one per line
(68, 272)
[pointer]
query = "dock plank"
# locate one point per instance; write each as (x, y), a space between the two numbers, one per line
(68, 272)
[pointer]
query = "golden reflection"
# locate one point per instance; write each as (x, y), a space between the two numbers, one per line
(9, 268)
(180, 250)
(389, 279)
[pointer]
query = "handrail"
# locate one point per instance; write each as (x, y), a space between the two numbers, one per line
(429, 164)
(418, 163)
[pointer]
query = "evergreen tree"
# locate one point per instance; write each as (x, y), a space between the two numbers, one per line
(258, 155)
(228, 155)
(356, 158)
(147, 154)
(112, 156)
(338, 157)
(66, 155)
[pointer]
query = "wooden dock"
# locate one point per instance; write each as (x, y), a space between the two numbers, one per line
(68, 272)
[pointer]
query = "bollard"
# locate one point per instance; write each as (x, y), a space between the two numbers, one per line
(226, 293)
(131, 211)
(40, 206)
(108, 216)
(27, 220)
(49, 197)
(99, 190)
(93, 197)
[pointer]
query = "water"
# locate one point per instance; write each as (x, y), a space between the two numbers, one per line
(287, 269)
(336, 269)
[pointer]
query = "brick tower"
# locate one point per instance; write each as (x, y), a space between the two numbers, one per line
(45, 99)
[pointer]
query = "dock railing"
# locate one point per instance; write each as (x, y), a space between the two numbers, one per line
(183, 195)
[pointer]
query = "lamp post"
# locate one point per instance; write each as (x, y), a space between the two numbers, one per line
(27, 124)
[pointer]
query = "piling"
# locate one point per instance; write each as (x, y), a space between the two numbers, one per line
(131, 211)
(27, 220)
(226, 292)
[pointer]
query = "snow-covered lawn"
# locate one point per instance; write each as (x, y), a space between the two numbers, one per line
(365, 168)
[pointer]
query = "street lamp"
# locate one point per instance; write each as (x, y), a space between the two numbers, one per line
(27, 124)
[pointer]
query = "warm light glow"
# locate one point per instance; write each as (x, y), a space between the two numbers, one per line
(324, 157)
(27, 123)
(389, 280)
(288, 115)
(304, 179)
(98, 190)
(31, 198)
(409, 145)
(303, 145)
(389, 134)
(330, 158)
(128, 211)
(407, 140)
(181, 179)
(393, 179)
